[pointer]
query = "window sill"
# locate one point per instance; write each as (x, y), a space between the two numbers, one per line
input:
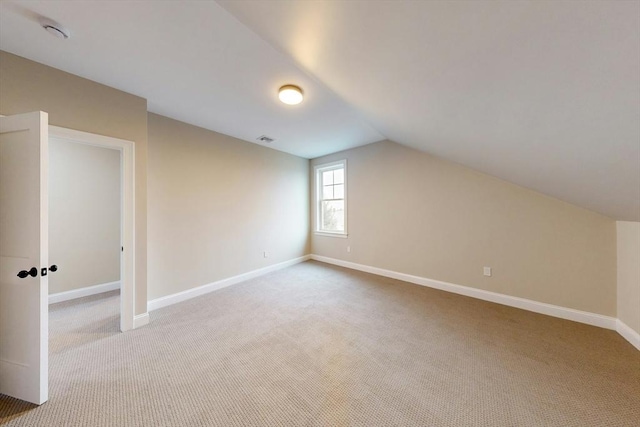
(326, 234)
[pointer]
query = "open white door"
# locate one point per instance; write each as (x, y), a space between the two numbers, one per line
(24, 335)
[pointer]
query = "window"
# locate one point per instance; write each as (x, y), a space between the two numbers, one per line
(331, 198)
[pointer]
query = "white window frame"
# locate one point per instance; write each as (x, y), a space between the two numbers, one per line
(318, 169)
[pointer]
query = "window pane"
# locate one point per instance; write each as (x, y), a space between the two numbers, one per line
(327, 192)
(338, 191)
(332, 216)
(327, 178)
(338, 176)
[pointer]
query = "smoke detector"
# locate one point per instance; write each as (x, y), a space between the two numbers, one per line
(265, 138)
(55, 29)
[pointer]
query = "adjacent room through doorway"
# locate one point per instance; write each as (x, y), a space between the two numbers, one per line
(85, 210)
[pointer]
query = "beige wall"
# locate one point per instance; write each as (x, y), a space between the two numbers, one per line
(216, 204)
(84, 215)
(408, 211)
(413, 213)
(629, 273)
(77, 103)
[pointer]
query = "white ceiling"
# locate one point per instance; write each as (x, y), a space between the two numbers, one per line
(542, 94)
(193, 62)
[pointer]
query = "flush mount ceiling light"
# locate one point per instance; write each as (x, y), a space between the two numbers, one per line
(55, 29)
(290, 94)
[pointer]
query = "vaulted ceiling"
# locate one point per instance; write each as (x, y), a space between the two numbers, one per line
(541, 94)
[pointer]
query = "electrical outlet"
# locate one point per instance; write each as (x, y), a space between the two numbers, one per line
(349, 249)
(265, 254)
(487, 271)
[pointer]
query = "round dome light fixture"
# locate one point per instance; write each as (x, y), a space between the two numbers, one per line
(290, 94)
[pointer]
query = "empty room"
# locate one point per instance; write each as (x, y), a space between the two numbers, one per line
(320, 213)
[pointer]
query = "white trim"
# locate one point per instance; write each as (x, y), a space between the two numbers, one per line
(140, 320)
(628, 334)
(317, 169)
(205, 289)
(128, 214)
(83, 292)
(338, 164)
(327, 234)
(525, 304)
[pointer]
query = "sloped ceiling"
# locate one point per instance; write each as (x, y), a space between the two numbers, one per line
(192, 61)
(542, 94)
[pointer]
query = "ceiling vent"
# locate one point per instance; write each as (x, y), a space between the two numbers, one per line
(265, 138)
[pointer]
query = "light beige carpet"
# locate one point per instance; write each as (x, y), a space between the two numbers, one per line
(316, 345)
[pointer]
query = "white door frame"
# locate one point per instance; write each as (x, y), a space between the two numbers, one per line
(127, 213)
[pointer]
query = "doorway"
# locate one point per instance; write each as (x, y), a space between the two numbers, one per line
(126, 261)
(84, 236)
(24, 342)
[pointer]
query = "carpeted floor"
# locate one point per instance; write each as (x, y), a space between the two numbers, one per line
(317, 345)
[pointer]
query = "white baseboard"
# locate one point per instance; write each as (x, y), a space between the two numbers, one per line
(83, 292)
(628, 334)
(140, 320)
(205, 289)
(525, 304)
